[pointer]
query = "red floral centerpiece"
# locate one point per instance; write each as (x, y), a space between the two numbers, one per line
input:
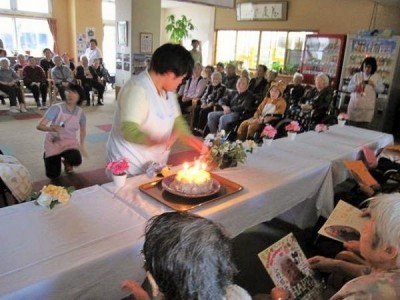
(342, 118)
(321, 127)
(292, 129)
(118, 170)
(268, 134)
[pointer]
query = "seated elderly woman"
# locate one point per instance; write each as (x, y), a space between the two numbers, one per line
(233, 106)
(379, 245)
(315, 104)
(294, 91)
(187, 257)
(9, 84)
(20, 63)
(35, 80)
(61, 75)
(87, 74)
(272, 108)
(194, 88)
(215, 90)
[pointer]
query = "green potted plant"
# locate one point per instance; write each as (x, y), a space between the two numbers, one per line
(178, 29)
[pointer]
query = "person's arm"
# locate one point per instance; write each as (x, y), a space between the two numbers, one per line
(260, 108)
(201, 86)
(27, 76)
(50, 116)
(182, 132)
(378, 84)
(330, 265)
(352, 84)
(70, 77)
(55, 75)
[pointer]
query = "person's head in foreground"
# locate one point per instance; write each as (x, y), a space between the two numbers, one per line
(170, 63)
(187, 257)
(380, 238)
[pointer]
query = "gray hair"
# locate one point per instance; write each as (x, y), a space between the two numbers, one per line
(4, 59)
(217, 75)
(298, 75)
(323, 77)
(82, 56)
(385, 211)
(55, 57)
(20, 55)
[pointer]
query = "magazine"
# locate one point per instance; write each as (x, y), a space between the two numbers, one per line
(344, 224)
(288, 268)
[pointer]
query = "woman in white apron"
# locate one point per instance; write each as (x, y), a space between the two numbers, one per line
(364, 86)
(147, 119)
(61, 144)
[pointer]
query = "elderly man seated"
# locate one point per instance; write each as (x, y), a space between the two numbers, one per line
(87, 74)
(187, 257)
(46, 63)
(35, 80)
(231, 78)
(20, 64)
(194, 88)
(62, 75)
(233, 105)
(9, 84)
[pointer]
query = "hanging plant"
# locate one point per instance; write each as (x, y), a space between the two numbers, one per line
(178, 29)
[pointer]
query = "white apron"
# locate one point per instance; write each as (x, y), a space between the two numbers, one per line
(66, 138)
(158, 125)
(362, 105)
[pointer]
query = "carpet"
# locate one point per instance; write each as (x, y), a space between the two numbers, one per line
(105, 127)
(27, 116)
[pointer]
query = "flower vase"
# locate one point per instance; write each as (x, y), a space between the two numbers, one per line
(291, 135)
(268, 142)
(341, 123)
(119, 180)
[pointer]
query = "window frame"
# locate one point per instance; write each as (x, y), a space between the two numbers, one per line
(17, 13)
(259, 42)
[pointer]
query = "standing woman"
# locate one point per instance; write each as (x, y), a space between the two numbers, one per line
(61, 123)
(364, 87)
(147, 118)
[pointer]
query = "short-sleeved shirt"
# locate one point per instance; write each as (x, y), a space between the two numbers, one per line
(54, 110)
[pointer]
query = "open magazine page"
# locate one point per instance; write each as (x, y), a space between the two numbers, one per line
(344, 224)
(288, 268)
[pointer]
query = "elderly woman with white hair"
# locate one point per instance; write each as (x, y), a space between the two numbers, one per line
(215, 90)
(9, 84)
(295, 90)
(314, 106)
(379, 245)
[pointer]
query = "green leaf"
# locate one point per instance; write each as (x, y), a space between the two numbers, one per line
(35, 195)
(70, 189)
(53, 203)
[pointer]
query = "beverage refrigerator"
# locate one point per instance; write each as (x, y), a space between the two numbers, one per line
(323, 53)
(386, 52)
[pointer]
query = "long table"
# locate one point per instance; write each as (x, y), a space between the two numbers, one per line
(86, 248)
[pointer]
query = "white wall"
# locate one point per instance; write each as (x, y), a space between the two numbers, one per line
(203, 20)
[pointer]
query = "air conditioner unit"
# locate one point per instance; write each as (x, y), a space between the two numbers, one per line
(388, 2)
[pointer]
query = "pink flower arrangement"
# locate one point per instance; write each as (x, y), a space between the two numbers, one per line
(293, 126)
(118, 167)
(321, 128)
(269, 132)
(343, 116)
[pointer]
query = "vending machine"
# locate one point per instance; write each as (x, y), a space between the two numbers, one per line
(323, 53)
(386, 53)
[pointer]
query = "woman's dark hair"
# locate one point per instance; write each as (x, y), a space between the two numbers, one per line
(370, 61)
(220, 64)
(172, 58)
(264, 67)
(188, 256)
(93, 41)
(210, 67)
(72, 87)
(46, 49)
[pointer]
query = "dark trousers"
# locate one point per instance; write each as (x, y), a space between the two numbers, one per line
(200, 116)
(53, 163)
(61, 90)
(42, 89)
(13, 93)
(89, 84)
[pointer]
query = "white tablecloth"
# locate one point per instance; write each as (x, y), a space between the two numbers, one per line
(335, 145)
(274, 181)
(82, 250)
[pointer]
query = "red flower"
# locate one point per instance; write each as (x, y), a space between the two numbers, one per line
(118, 167)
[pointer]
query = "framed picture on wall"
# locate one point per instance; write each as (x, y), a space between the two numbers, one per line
(269, 11)
(123, 33)
(146, 42)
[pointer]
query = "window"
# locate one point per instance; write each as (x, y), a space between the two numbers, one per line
(108, 14)
(24, 26)
(278, 50)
